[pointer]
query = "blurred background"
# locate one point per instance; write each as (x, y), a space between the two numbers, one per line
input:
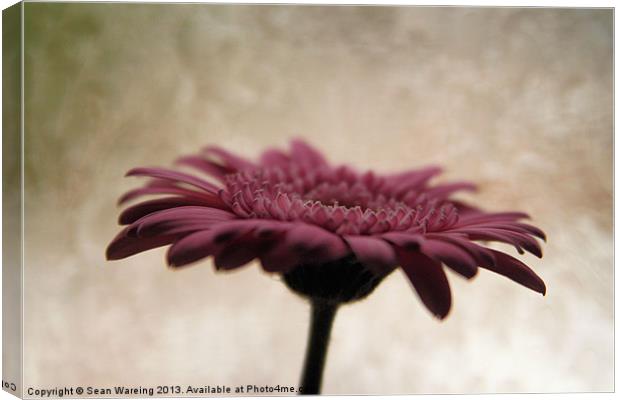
(518, 100)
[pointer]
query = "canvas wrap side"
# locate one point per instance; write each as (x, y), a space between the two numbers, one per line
(12, 227)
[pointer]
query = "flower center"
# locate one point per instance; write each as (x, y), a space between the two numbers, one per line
(339, 200)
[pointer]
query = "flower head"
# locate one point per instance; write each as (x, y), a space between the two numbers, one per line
(330, 230)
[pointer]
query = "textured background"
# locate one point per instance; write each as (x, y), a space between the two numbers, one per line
(518, 100)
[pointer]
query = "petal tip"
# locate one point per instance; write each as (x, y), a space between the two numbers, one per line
(111, 254)
(132, 172)
(543, 290)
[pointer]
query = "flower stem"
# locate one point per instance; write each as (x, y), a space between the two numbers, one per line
(323, 313)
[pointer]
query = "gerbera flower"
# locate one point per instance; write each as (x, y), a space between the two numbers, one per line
(333, 233)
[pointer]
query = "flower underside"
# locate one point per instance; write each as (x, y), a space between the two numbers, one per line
(295, 209)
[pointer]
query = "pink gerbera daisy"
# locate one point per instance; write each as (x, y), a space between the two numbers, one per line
(333, 233)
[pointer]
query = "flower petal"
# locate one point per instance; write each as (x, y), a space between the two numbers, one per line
(191, 248)
(489, 234)
(302, 244)
(274, 158)
(410, 241)
(168, 189)
(279, 259)
(518, 240)
(375, 253)
(412, 180)
(232, 243)
(515, 270)
(428, 279)
(123, 245)
(479, 217)
(135, 212)
(209, 167)
(323, 245)
(453, 256)
(511, 226)
(229, 159)
(174, 176)
(160, 222)
(241, 251)
(306, 155)
(443, 191)
(482, 255)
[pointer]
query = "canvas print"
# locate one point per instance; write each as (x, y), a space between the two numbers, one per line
(207, 200)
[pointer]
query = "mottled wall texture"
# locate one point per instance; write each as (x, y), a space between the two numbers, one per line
(519, 100)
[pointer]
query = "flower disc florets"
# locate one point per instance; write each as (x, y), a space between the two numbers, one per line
(339, 200)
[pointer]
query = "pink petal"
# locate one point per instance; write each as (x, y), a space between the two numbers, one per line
(191, 248)
(302, 243)
(231, 161)
(530, 229)
(510, 226)
(280, 258)
(453, 256)
(428, 279)
(305, 154)
(174, 176)
(160, 222)
(405, 240)
(412, 180)
(491, 217)
(465, 210)
(515, 270)
(135, 212)
(227, 231)
(275, 158)
(527, 242)
(482, 255)
(516, 239)
(206, 166)
(372, 252)
(323, 245)
(190, 194)
(484, 234)
(123, 246)
(241, 251)
(443, 191)
(232, 243)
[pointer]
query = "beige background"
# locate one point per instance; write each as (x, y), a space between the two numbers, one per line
(518, 100)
